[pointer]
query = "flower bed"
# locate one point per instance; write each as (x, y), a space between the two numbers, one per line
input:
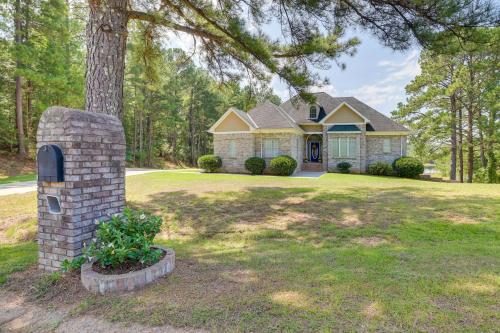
(112, 283)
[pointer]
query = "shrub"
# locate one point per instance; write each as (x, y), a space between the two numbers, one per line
(283, 165)
(380, 169)
(255, 165)
(344, 167)
(72, 265)
(124, 239)
(210, 163)
(408, 167)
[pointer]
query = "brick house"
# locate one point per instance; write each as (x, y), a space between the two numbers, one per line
(318, 136)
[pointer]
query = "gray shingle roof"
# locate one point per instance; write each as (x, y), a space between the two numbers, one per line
(299, 111)
(270, 115)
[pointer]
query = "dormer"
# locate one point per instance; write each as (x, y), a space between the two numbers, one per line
(313, 112)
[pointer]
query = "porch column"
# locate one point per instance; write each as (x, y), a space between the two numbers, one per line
(325, 149)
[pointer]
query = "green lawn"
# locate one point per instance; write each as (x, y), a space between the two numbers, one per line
(18, 178)
(339, 253)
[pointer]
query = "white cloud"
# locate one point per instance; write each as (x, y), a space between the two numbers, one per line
(377, 95)
(327, 88)
(405, 70)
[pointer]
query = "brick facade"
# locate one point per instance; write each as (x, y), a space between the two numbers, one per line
(244, 148)
(370, 149)
(93, 146)
(375, 148)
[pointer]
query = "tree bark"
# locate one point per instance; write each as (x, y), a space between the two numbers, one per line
(460, 145)
(19, 81)
(106, 45)
(191, 128)
(453, 138)
(482, 150)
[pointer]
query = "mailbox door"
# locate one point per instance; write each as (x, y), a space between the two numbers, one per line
(50, 161)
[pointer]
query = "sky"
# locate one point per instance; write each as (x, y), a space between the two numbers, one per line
(375, 75)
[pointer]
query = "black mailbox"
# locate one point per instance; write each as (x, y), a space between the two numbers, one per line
(50, 164)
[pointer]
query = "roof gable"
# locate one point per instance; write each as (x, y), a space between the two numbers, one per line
(233, 120)
(344, 114)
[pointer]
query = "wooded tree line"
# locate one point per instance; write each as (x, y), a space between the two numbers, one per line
(453, 107)
(169, 101)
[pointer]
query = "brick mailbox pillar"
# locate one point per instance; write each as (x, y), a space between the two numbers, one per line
(92, 186)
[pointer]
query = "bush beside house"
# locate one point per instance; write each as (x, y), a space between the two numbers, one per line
(255, 165)
(283, 165)
(209, 163)
(408, 167)
(380, 169)
(344, 167)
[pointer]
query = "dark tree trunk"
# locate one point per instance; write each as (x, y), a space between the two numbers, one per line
(470, 144)
(19, 81)
(191, 128)
(460, 145)
(492, 163)
(453, 125)
(106, 44)
(150, 141)
(482, 149)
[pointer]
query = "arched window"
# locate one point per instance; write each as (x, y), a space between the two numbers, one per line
(313, 113)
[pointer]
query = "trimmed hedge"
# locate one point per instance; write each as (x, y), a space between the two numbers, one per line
(408, 167)
(283, 165)
(210, 163)
(344, 167)
(255, 165)
(380, 169)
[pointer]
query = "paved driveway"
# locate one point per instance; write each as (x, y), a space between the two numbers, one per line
(25, 187)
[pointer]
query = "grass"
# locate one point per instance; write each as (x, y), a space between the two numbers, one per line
(339, 253)
(17, 178)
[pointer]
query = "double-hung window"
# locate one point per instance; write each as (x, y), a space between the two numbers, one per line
(387, 146)
(271, 148)
(232, 149)
(343, 147)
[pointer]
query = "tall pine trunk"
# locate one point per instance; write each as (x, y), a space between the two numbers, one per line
(482, 148)
(460, 145)
(106, 45)
(19, 81)
(191, 128)
(453, 138)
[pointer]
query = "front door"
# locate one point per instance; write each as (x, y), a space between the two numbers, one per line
(314, 151)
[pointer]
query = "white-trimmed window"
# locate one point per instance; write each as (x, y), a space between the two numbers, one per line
(231, 148)
(313, 112)
(386, 145)
(343, 147)
(271, 148)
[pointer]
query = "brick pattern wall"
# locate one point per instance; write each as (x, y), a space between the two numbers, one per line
(94, 188)
(245, 148)
(375, 148)
(288, 146)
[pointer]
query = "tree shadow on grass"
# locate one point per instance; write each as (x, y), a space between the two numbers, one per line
(303, 259)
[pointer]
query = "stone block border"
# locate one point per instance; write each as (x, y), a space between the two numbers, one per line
(106, 284)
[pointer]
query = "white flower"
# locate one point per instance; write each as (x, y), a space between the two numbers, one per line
(142, 216)
(94, 239)
(110, 245)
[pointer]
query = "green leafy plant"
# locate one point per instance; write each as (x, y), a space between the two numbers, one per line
(255, 165)
(408, 167)
(380, 169)
(210, 163)
(72, 265)
(283, 165)
(126, 238)
(45, 283)
(344, 167)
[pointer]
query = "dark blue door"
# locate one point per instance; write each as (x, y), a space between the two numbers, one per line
(314, 151)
